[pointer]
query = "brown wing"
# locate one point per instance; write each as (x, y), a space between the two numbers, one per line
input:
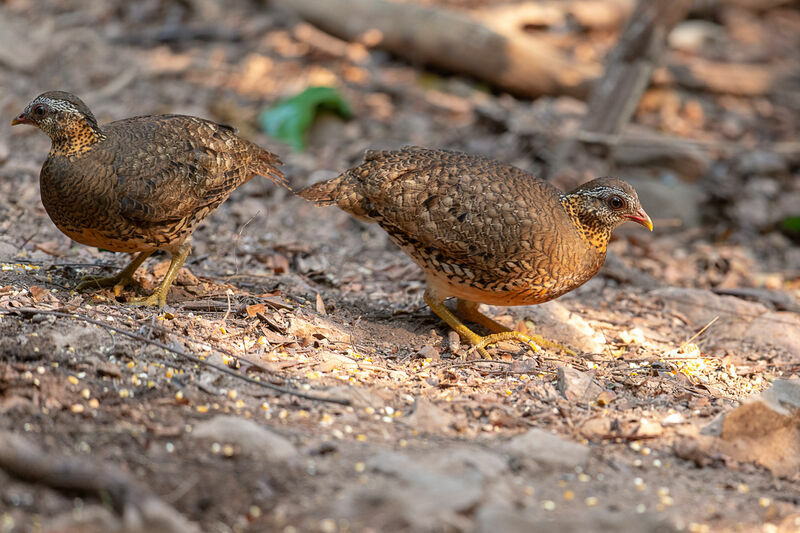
(469, 209)
(169, 167)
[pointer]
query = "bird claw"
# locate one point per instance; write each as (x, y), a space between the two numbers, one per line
(535, 342)
(479, 343)
(154, 300)
(118, 282)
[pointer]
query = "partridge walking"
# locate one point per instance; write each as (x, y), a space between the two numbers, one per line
(140, 184)
(484, 231)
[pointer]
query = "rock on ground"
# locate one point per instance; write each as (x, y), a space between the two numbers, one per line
(249, 436)
(766, 429)
(547, 451)
(493, 519)
(739, 321)
(553, 321)
(577, 386)
(430, 487)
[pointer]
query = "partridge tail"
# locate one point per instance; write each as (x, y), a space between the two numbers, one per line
(324, 193)
(266, 164)
(340, 191)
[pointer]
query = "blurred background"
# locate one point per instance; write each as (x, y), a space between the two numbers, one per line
(704, 121)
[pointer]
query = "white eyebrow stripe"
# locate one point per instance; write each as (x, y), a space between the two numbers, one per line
(58, 105)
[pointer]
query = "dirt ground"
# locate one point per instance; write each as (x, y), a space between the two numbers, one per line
(408, 431)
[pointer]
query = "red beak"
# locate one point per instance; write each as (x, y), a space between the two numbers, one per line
(21, 119)
(641, 218)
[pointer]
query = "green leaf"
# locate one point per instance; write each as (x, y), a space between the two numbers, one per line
(791, 224)
(289, 120)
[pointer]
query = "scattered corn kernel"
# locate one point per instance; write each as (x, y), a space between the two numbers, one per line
(77, 408)
(591, 501)
(94, 403)
(86, 394)
(73, 380)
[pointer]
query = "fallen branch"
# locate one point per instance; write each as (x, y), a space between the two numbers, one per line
(27, 311)
(590, 14)
(25, 460)
(520, 63)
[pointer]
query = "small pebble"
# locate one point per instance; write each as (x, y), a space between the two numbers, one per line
(548, 505)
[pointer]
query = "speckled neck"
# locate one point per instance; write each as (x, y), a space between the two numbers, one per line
(588, 227)
(76, 137)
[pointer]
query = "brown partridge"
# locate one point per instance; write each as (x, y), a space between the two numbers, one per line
(484, 231)
(140, 184)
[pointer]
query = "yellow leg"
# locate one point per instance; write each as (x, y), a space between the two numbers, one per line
(437, 306)
(469, 311)
(120, 280)
(159, 298)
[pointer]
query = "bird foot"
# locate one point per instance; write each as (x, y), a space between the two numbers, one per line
(480, 343)
(117, 281)
(544, 343)
(157, 299)
(536, 342)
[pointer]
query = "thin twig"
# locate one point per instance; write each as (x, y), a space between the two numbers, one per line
(701, 331)
(191, 357)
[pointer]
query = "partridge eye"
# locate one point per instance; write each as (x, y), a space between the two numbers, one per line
(616, 202)
(39, 110)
